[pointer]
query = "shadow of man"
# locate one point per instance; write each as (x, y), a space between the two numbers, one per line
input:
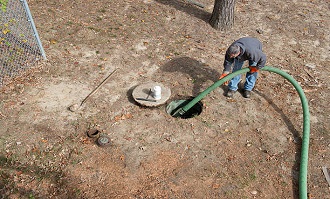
(297, 138)
(198, 72)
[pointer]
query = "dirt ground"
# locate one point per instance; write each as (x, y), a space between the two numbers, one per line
(236, 148)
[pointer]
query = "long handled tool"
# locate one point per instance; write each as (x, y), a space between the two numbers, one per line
(76, 107)
(326, 174)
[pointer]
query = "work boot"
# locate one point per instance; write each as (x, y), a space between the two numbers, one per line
(247, 94)
(230, 93)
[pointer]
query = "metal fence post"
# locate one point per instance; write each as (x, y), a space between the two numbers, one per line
(30, 19)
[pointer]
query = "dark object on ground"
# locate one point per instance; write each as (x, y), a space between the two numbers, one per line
(247, 94)
(103, 141)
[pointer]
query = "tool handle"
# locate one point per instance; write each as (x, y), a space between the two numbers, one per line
(101, 84)
(326, 174)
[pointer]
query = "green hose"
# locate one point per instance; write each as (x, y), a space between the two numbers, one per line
(306, 118)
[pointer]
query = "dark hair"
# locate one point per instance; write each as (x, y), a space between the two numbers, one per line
(234, 49)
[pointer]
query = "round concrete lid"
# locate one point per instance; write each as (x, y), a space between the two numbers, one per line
(143, 94)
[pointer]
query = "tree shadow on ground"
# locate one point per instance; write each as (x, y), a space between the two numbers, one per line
(297, 139)
(10, 184)
(198, 72)
(188, 8)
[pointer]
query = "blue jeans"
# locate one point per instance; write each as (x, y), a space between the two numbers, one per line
(250, 78)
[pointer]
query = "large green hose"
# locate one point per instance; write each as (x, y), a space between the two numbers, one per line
(306, 118)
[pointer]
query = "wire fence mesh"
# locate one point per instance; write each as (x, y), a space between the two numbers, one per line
(20, 46)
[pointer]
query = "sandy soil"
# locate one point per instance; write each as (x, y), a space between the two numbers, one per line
(236, 148)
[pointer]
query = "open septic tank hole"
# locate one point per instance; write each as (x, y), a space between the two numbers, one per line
(177, 104)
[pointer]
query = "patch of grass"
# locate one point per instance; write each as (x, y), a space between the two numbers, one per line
(253, 176)
(284, 184)
(98, 18)
(69, 23)
(112, 35)
(94, 29)
(131, 17)
(77, 192)
(208, 124)
(103, 10)
(113, 28)
(75, 161)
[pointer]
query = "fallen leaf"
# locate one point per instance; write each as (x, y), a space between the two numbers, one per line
(215, 186)
(53, 41)
(86, 141)
(19, 173)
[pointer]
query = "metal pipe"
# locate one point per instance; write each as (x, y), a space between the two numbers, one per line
(36, 35)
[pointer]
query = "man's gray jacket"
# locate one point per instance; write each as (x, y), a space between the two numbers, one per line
(251, 49)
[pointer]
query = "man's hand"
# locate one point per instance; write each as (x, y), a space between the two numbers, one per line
(222, 76)
(253, 69)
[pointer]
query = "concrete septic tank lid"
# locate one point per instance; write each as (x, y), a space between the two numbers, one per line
(143, 94)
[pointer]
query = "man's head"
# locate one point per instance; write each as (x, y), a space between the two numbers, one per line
(233, 51)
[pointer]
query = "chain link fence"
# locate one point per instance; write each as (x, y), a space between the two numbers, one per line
(20, 46)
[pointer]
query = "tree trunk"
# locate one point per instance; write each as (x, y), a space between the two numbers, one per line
(223, 15)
